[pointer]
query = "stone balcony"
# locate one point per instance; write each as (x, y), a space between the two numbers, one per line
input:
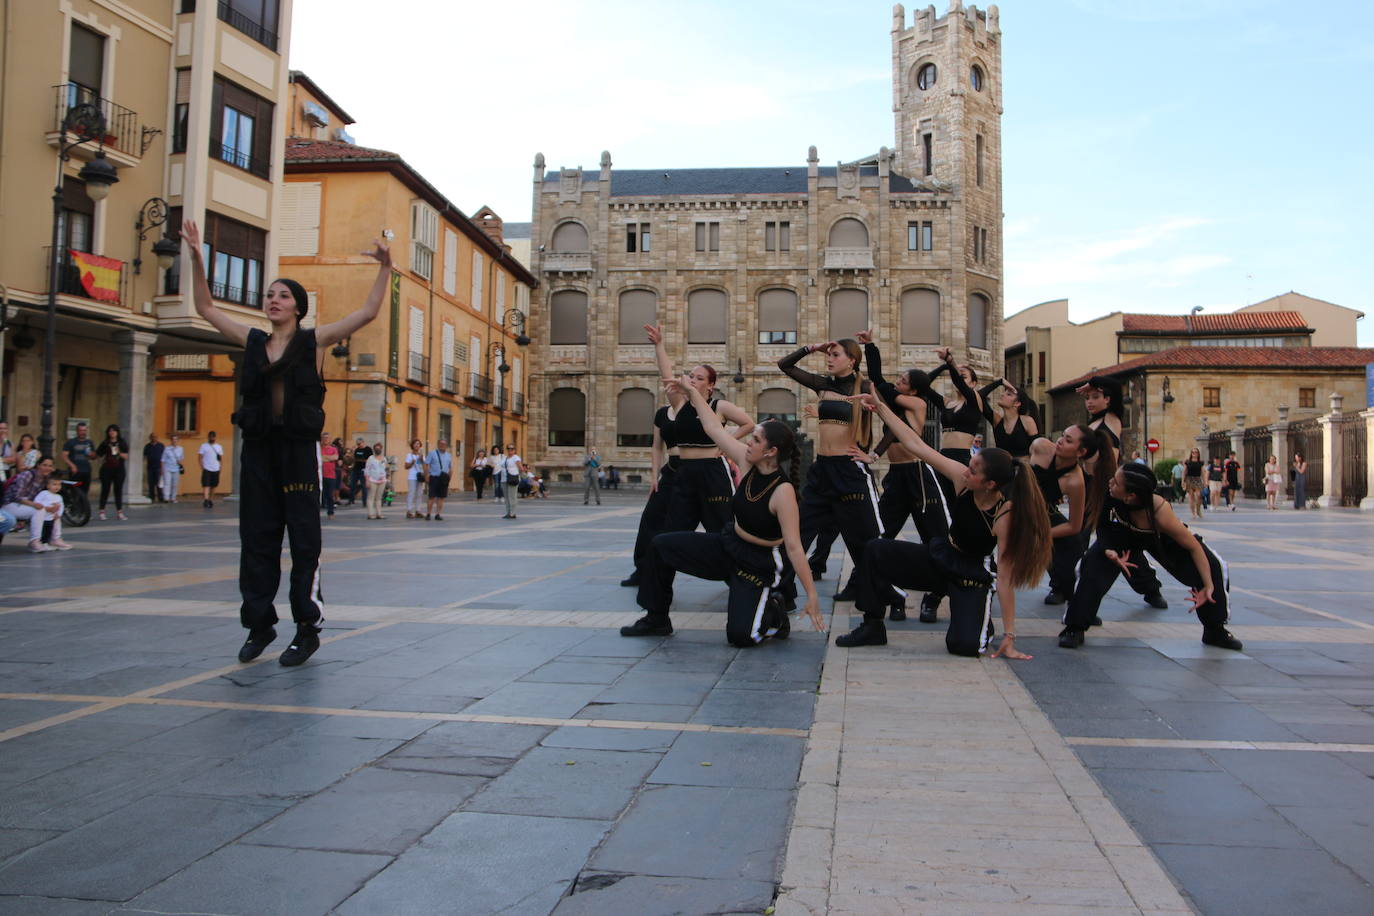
(567, 262)
(848, 259)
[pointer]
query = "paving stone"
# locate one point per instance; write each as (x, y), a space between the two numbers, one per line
(1238, 880)
(21, 712)
(781, 709)
(15, 840)
(569, 672)
(1343, 829)
(544, 700)
(1221, 721)
(373, 811)
(294, 766)
(1299, 778)
(566, 782)
(228, 733)
(720, 833)
(636, 712)
(370, 727)
(258, 881)
(611, 739)
(1144, 758)
(123, 853)
(660, 687)
(51, 906)
(474, 739)
(639, 895)
(492, 863)
(745, 761)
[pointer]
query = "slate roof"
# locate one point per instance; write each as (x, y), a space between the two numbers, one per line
(1213, 324)
(302, 149)
(517, 230)
(704, 182)
(1235, 358)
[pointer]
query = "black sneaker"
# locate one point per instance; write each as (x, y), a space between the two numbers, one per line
(930, 604)
(256, 642)
(1054, 598)
(630, 581)
(1069, 638)
(775, 617)
(1221, 638)
(438, 518)
(849, 593)
(1156, 600)
(817, 572)
(868, 633)
(897, 612)
(303, 646)
(1095, 622)
(647, 626)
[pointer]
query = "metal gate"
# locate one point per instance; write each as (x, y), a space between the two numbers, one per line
(1306, 436)
(1354, 460)
(1219, 445)
(1258, 446)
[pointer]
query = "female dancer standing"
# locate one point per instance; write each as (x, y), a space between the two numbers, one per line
(664, 459)
(839, 487)
(1273, 479)
(1138, 521)
(1193, 482)
(1059, 472)
(704, 483)
(961, 417)
(997, 505)
(743, 554)
(282, 417)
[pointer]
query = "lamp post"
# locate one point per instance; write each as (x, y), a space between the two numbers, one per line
(86, 122)
(515, 320)
(152, 214)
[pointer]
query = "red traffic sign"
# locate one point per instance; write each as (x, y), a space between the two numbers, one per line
(1152, 445)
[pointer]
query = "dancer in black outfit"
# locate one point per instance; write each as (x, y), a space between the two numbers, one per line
(281, 419)
(997, 505)
(1058, 470)
(1015, 421)
(664, 459)
(1136, 522)
(744, 554)
(1102, 396)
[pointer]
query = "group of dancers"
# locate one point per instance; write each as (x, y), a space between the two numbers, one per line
(989, 521)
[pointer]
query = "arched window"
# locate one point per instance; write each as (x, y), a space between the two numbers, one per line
(920, 316)
(569, 236)
(777, 404)
(979, 314)
(848, 312)
(568, 317)
(635, 418)
(925, 76)
(638, 307)
(777, 316)
(706, 311)
(849, 233)
(567, 417)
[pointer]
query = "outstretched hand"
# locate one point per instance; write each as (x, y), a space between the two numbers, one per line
(1121, 560)
(655, 334)
(381, 253)
(813, 611)
(190, 234)
(943, 355)
(867, 400)
(1198, 597)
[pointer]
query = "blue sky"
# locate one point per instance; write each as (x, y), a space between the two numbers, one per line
(1156, 155)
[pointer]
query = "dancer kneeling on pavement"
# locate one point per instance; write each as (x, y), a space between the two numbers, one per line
(996, 504)
(745, 553)
(281, 418)
(1137, 521)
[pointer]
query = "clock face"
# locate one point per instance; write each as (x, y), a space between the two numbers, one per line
(975, 78)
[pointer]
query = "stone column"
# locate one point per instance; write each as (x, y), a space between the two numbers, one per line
(1368, 502)
(1332, 457)
(1278, 444)
(135, 407)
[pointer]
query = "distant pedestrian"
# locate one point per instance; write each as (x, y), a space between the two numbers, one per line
(375, 472)
(77, 452)
(1299, 481)
(511, 469)
(480, 471)
(113, 453)
(357, 482)
(1194, 482)
(1231, 467)
(1216, 479)
(329, 475)
(152, 465)
(977, 445)
(1177, 473)
(612, 477)
(438, 468)
(1273, 479)
(211, 453)
(1139, 458)
(9, 459)
(494, 460)
(415, 479)
(591, 469)
(172, 457)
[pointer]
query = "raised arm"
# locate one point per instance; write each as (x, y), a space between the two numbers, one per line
(788, 364)
(731, 412)
(784, 506)
(665, 365)
(728, 444)
(335, 331)
(873, 360)
(952, 469)
(200, 289)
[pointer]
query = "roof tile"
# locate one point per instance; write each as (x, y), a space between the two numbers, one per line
(1236, 358)
(1211, 324)
(301, 149)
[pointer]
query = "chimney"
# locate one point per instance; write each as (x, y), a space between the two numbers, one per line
(487, 220)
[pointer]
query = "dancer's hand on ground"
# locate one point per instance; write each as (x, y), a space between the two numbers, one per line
(1120, 559)
(813, 611)
(859, 454)
(1198, 597)
(1007, 649)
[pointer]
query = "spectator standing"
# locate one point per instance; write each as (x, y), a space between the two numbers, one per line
(1177, 473)
(329, 474)
(9, 458)
(113, 453)
(77, 452)
(357, 483)
(172, 457)
(591, 473)
(613, 477)
(511, 469)
(210, 454)
(1138, 458)
(415, 479)
(152, 462)
(480, 471)
(25, 454)
(439, 467)
(1273, 479)
(21, 504)
(375, 472)
(1299, 481)
(494, 461)
(1216, 479)
(977, 445)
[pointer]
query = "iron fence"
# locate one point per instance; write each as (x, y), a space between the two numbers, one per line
(1258, 446)
(1305, 436)
(1354, 459)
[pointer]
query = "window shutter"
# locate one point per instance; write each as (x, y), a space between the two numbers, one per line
(635, 412)
(637, 308)
(446, 349)
(777, 310)
(311, 318)
(450, 262)
(474, 351)
(777, 401)
(848, 312)
(417, 330)
(568, 317)
(299, 221)
(477, 280)
(183, 87)
(920, 316)
(500, 290)
(516, 374)
(706, 310)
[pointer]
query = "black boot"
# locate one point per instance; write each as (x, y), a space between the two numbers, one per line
(303, 646)
(868, 633)
(1054, 598)
(1069, 638)
(1221, 637)
(850, 592)
(775, 616)
(257, 641)
(817, 571)
(929, 605)
(630, 581)
(648, 626)
(897, 611)
(1156, 600)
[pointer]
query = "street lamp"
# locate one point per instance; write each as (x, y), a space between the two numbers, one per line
(515, 319)
(1168, 397)
(86, 123)
(154, 211)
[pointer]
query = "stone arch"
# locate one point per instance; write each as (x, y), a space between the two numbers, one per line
(568, 313)
(570, 235)
(636, 307)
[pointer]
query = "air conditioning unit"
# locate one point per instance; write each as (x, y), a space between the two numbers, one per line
(342, 135)
(316, 114)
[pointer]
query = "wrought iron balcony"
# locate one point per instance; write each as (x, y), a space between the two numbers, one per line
(122, 130)
(479, 387)
(247, 25)
(517, 404)
(448, 379)
(502, 397)
(231, 154)
(417, 368)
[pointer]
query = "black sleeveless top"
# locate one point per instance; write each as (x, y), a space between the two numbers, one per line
(302, 391)
(667, 430)
(687, 429)
(1048, 479)
(1094, 418)
(970, 528)
(830, 410)
(963, 419)
(1018, 441)
(750, 504)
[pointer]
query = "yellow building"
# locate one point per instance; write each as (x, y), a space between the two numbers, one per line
(183, 100)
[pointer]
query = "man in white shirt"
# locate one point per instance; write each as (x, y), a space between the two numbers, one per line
(511, 469)
(210, 453)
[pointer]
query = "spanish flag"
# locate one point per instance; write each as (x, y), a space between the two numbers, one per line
(99, 276)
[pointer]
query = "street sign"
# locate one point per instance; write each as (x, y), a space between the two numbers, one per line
(1152, 445)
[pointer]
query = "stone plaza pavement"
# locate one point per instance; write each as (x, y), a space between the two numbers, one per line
(474, 737)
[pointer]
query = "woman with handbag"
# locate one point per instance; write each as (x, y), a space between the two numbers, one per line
(172, 457)
(415, 479)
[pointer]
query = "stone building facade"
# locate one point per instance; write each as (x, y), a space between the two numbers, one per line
(742, 265)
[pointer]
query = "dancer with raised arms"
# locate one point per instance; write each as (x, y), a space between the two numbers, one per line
(744, 554)
(1014, 419)
(1059, 472)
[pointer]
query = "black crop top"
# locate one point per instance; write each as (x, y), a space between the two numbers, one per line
(1048, 479)
(687, 429)
(830, 410)
(1192, 468)
(750, 504)
(1018, 441)
(966, 418)
(788, 364)
(970, 528)
(667, 429)
(1099, 421)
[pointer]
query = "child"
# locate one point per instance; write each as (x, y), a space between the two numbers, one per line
(51, 526)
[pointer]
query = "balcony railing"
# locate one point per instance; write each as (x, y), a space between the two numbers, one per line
(417, 368)
(517, 404)
(121, 125)
(567, 262)
(849, 258)
(251, 164)
(102, 280)
(186, 362)
(237, 294)
(479, 387)
(502, 397)
(247, 25)
(448, 379)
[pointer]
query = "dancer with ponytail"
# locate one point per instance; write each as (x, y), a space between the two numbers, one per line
(839, 487)
(281, 418)
(997, 505)
(664, 459)
(744, 554)
(1015, 421)
(1059, 472)
(1136, 522)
